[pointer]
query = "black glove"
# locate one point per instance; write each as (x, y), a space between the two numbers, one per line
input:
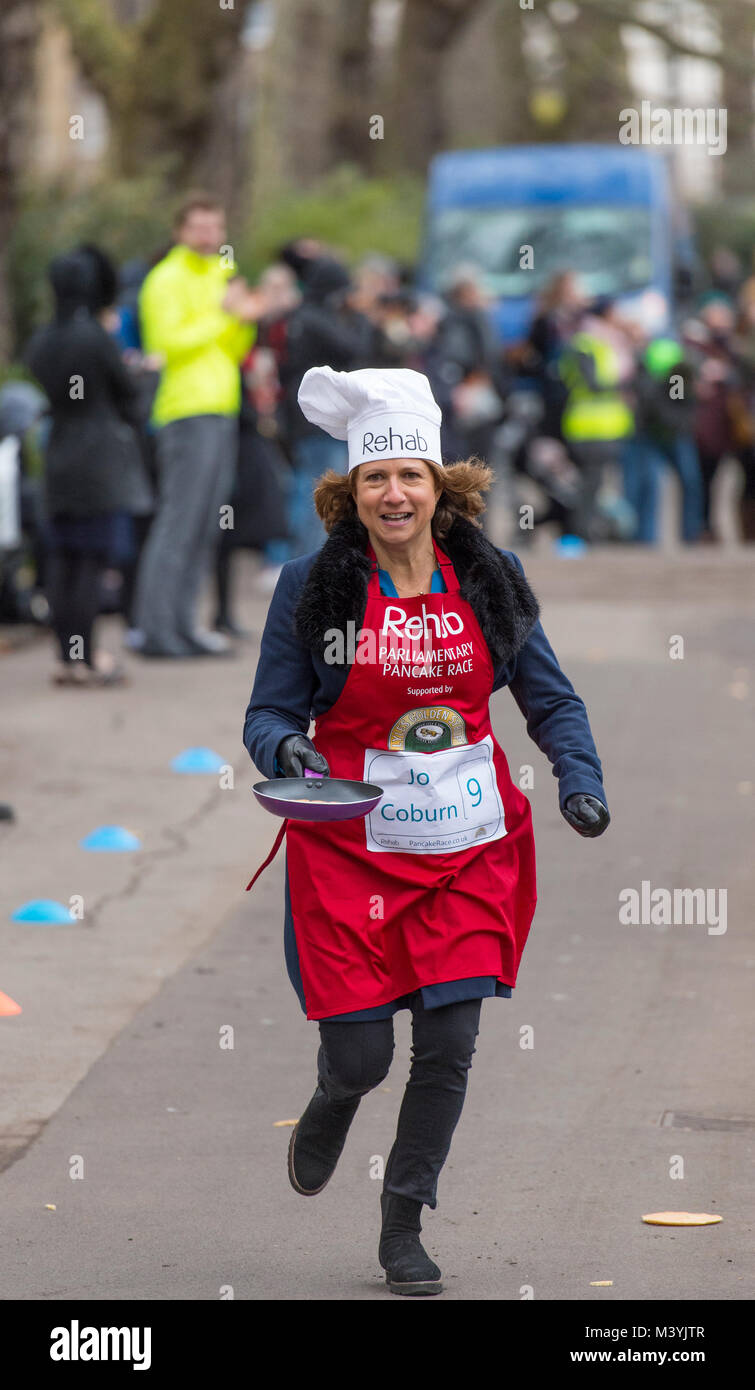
(586, 814)
(296, 752)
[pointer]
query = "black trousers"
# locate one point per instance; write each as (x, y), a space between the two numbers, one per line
(353, 1058)
(73, 593)
(592, 457)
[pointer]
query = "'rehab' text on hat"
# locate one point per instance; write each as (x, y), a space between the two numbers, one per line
(387, 414)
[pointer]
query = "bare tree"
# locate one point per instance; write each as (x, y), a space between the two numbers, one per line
(297, 76)
(161, 75)
(486, 83)
(737, 20)
(593, 75)
(418, 125)
(19, 35)
(352, 94)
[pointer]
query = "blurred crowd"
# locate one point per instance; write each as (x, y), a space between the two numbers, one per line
(165, 415)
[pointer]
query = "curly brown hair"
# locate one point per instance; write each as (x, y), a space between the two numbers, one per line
(460, 488)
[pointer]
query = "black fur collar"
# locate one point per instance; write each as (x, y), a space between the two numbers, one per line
(336, 588)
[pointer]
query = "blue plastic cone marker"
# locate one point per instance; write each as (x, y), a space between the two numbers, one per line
(42, 910)
(110, 837)
(197, 760)
(570, 545)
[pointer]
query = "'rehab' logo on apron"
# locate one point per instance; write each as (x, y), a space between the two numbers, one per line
(428, 729)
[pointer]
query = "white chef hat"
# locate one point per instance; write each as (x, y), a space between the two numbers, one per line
(383, 413)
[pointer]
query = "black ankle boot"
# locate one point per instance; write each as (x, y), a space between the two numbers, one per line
(408, 1268)
(317, 1141)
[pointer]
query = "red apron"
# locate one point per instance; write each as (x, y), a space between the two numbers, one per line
(438, 882)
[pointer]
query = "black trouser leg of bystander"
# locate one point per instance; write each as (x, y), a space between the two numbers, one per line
(73, 593)
(223, 556)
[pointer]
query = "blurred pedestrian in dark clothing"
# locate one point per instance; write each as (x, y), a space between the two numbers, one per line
(394, 340)
(318, 334)
(300, 255)
(322, 331)
(145, 370)
(664, 405)
(537, 400)
(130, 279)
(560, 307)
(726, 271)
(95, 476)
(466, 338)
(469, 362)
(280, 287)
(259, 500)
(708, 338)
(371, 346)
(743, 405)
(24, 426)
(374, 279)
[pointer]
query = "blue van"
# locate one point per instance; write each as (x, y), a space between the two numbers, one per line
(603, 211)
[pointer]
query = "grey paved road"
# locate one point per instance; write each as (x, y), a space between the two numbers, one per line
(643, 1035)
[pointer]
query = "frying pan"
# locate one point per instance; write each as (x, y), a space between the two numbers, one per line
(314, 797)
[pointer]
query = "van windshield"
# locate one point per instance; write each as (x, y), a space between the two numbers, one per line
(608, 247)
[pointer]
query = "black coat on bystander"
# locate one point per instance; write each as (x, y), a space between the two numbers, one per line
(94, 461)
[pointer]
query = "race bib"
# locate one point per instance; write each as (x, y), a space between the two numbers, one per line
(434, 803)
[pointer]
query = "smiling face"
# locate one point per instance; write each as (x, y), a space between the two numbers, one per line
(396, 499)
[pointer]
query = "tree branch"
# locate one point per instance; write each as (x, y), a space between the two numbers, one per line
(625, 14)
(103, 48)
(439, 21)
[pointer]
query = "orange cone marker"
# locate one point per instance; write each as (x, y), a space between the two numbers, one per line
(8, 1006)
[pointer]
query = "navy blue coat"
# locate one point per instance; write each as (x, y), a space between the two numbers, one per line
(293, 685)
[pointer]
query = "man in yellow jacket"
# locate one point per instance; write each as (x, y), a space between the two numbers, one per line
(597, 365)
(200, 325)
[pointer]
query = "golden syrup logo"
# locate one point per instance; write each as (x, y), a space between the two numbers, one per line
(427, 730)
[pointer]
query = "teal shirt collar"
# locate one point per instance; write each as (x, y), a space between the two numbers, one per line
(388, 587)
